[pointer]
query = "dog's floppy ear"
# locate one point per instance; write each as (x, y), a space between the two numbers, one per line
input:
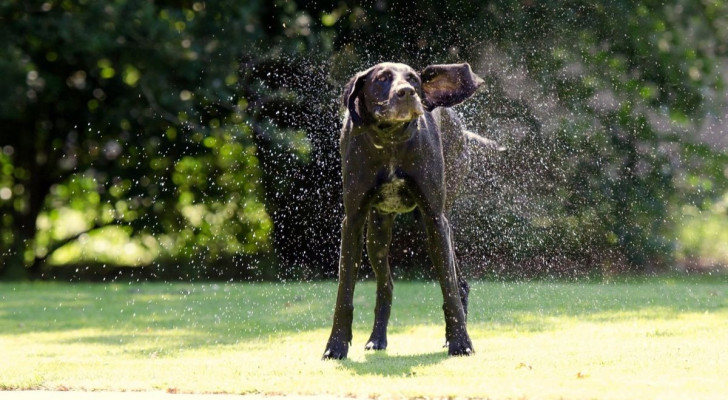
(446, 85)
(351, 92)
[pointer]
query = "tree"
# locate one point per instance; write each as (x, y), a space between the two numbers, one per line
(206, 132)
(128, 113)
(600, 105)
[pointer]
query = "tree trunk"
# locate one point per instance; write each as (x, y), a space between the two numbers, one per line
(14, 268)
(24, 221)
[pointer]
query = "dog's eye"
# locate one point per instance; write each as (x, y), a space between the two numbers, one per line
(411, 78)
(384, 77)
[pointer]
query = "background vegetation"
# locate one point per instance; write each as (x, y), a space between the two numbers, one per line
(199, 139)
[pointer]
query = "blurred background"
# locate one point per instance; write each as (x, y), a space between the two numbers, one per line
(183, 140)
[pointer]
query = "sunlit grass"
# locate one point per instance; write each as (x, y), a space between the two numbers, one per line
(659, 338)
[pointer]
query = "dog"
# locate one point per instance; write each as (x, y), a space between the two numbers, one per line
(402, 148)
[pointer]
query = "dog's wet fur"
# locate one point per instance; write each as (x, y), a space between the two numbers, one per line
(402, 148)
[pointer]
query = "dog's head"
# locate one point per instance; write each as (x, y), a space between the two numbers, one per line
(390, 93)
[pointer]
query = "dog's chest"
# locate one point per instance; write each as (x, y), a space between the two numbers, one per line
(394, 197)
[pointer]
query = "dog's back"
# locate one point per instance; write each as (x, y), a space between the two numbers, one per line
(456, 142)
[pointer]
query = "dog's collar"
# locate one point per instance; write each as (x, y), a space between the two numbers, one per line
(382, 137)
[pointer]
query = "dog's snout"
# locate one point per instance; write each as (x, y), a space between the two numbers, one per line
(408, 91)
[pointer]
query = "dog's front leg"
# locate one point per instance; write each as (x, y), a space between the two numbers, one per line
(441, 252)
(379, 236)
(351, 249)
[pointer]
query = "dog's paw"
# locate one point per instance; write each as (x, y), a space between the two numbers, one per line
(336, 351)
(376, 344)
(460, 348)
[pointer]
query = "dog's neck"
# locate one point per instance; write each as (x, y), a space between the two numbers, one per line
(388, 127)
(384, 134)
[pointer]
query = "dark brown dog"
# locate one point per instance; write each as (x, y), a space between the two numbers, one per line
(401, 149)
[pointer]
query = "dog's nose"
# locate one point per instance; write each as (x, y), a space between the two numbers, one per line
(406, 91)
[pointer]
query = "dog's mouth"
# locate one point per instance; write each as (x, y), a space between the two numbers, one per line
(396, 110)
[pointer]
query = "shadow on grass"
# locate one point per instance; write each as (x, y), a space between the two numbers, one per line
(383, 364)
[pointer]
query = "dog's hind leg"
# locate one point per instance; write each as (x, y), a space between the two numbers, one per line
(379, 236)
(441, 253)
(463, 287)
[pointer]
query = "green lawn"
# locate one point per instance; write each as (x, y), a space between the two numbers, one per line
(661, 338)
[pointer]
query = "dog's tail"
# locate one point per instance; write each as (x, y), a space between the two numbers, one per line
(487, 143)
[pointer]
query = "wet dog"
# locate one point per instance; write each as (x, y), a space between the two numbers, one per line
(402, 148)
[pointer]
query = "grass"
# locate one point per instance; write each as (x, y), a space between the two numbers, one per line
(660, 338)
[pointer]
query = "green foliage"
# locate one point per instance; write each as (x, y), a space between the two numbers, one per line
(110, 102)
(206, 132)
(600, 115)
